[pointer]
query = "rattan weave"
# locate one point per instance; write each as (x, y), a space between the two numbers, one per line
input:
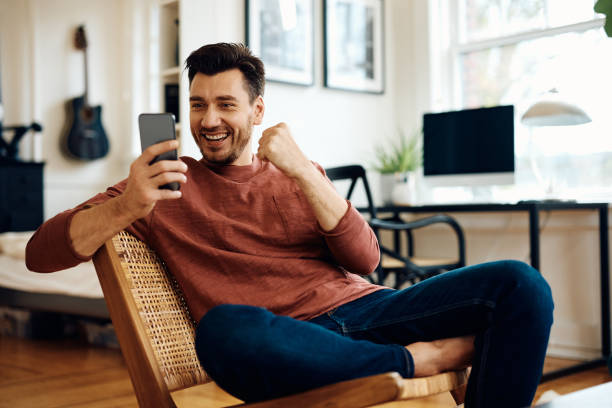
(163, 311)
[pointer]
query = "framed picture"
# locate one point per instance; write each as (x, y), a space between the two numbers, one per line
(354, 45)
(281, 32)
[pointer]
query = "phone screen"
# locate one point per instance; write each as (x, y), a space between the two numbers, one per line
(156, 128)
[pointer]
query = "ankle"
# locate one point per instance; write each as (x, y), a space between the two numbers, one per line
(426, 358)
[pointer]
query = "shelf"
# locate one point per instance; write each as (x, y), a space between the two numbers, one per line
(172, 71)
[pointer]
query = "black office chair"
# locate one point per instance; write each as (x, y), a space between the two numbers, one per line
(409, 268)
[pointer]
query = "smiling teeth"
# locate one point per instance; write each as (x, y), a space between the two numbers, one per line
(215, 137)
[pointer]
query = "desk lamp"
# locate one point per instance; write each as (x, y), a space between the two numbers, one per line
(551, 113)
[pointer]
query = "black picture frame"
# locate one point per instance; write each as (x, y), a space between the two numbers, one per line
(354, 45)
(281, 33)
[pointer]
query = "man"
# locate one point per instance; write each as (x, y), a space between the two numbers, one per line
(267, 254)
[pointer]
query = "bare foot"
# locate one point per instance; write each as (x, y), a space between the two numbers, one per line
(438, 356)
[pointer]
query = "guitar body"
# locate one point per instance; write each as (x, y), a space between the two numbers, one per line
(86, 138)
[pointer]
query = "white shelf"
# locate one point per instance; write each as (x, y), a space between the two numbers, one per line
(172, 71)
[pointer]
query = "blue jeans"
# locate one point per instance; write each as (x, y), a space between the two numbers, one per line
(256, 355)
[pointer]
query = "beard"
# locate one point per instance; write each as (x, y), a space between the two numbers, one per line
(235, 150)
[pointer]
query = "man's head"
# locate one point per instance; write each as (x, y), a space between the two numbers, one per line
(212, 59)
(226, 84)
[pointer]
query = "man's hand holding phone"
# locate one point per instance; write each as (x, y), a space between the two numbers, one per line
(157, 174)
(145, 179)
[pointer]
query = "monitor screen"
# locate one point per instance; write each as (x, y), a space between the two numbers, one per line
(473, 146)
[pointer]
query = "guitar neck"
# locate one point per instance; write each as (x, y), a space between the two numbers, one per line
(86, 76)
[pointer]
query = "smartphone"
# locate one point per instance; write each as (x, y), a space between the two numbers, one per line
(156, 128)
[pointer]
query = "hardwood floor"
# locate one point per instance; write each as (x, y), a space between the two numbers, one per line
(70, 373)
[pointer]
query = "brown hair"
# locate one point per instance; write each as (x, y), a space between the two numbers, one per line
(212, 59)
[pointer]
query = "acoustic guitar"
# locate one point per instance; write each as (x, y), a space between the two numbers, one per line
(86, 138)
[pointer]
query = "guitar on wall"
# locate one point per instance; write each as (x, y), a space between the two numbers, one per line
(86, 138)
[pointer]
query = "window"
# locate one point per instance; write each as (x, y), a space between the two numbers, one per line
(498, 52)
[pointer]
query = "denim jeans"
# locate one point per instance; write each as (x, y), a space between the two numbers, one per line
(256, 355)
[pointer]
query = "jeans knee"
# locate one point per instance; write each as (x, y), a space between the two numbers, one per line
(531, 291)
(224, 331)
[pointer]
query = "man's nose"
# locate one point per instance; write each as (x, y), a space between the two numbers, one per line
(211, 119)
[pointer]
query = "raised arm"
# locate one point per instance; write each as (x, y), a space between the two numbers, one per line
(349, 237)
(74, 236)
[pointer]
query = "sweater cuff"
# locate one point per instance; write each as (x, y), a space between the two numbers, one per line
(68, 241)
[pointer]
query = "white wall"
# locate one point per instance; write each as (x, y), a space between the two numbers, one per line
(331, 126)
(51, 71)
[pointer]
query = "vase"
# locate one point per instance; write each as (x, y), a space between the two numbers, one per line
(387, 183)
(404, 189)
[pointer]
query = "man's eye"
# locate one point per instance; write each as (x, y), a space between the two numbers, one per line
(228, 105)
(196, 105)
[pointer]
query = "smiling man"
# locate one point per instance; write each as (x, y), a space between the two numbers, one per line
(269, 255)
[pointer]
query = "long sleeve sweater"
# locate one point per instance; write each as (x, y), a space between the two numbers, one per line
(240, 235)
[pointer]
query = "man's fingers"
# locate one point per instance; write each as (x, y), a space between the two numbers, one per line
(168, 177)
(169, 194)
(167, 166)
(155, 150)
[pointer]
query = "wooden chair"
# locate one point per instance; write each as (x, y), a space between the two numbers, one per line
(156, 334)
(397, 266)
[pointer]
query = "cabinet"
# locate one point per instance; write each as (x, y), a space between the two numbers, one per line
(21, 196)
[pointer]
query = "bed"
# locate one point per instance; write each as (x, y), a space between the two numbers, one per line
(74, 291)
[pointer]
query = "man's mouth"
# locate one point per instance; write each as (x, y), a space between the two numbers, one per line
(215, 137)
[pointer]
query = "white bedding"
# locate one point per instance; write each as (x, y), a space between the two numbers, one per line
(78, 281)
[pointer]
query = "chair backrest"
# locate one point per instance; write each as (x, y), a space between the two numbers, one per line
(353, 172)
(155, 330)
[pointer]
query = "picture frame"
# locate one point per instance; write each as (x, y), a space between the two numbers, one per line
(281, 33)
(353, 32)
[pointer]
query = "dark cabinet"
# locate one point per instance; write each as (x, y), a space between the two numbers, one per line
(21, 196)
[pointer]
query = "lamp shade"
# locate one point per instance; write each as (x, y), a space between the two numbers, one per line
(554, 113)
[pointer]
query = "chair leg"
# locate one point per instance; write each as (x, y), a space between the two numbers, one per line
(459, 394)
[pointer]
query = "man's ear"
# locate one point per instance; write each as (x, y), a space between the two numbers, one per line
(258, 110)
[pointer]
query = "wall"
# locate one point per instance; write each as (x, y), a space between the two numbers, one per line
(569, 261)
(49, 71)
(332, 127)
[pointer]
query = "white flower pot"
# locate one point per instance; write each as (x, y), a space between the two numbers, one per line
(404, 189)
(387, 183)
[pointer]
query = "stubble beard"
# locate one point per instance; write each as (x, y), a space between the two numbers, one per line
(236, 151)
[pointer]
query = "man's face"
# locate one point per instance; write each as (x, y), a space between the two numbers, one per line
(222, 118)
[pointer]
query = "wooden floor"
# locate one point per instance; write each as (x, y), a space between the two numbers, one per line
(69, 373)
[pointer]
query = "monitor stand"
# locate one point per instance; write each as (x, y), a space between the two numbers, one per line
(482, 194)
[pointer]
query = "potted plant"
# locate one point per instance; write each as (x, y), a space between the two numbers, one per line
(605, 7)
(397, 163)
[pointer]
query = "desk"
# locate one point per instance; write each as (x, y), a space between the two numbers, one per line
(533, 209)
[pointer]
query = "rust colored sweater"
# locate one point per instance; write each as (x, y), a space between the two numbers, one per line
(241, 235)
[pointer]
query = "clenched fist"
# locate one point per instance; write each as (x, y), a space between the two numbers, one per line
(277, 146)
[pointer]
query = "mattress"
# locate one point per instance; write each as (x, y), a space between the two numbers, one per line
(80, 281)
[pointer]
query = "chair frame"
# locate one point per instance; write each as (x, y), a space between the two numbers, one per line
(409, 271)
(153, 388)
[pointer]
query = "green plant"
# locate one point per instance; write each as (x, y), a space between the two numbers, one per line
(605, 7)
(400, 156)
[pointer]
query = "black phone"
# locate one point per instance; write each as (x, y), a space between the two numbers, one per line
(156, 128)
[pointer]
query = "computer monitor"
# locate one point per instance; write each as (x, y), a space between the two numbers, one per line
(472, 147)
